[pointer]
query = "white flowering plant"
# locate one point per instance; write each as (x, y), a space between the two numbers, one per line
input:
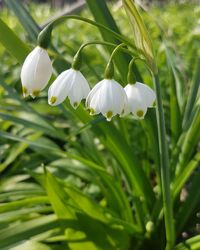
(109, 163)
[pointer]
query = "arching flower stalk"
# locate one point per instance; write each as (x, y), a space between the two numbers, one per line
(36, 72)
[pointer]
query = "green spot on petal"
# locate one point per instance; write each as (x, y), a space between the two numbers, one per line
(109, 115)
(25, 91)
(140, 113)
(35, 93)
(92, 111)
(75, 104)
(53, 100)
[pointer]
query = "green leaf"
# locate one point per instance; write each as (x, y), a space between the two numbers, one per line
(25, 230)
(5, 207)
(23, 213)
(25, 18)
(60, 201)
(140, 33)
(102, 15)
(194, 90)
(32, 121)
(182, 178)
(68, 203)
(190, 244)
(12, 43)
(124, 154)
(14, 152)
(30, 245)
(188, 141)
(190, 206)
(176, 96)
(44, 146)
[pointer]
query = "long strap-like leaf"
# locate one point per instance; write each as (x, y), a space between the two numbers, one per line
(12, 43)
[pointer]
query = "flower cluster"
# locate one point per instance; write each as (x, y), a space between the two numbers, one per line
(108, 97)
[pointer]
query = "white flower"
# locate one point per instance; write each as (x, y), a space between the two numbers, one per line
(70, 83)
(36, 72)
(107, 97)
(140, 97)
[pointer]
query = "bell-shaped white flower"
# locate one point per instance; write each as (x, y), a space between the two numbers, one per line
(70, 83)
(140, 97)
(107, 97)
(36, 72)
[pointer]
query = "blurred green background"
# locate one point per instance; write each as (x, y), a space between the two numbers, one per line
(33, 134)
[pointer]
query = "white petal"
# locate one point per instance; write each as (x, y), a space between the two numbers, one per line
(36, 70)
(92, 93)
(126, 109)
(94, 104)
(135, 101)
(60, 88)
(147, 94)
(43, 70)
(83, 84)
(107, 97)
(112, 97)
(79, 89)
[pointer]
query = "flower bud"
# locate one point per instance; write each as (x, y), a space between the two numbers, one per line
(149, 226)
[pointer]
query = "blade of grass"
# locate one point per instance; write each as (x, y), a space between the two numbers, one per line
(5, 207)
(189, 140)
(116, 143)
(12, 43)
(47, 148)
(115, 191)
(192, 95)
(36, 124)
(189, 206)
(15, 215)
(25, 18)
(190, 244)
(27, 229)
(175, 114)
(164, 170)
(140, 33)
(61, 203)
(181, 179)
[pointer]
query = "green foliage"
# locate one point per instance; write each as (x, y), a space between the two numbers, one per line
(72, 181)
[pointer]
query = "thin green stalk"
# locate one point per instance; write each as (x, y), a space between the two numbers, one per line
(45, 34)
(164, 169)
(127, 51)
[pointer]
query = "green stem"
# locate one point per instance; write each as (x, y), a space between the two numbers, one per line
(46, 32)
(130, 77)
(109, 71)
(77, 58)
(106, 44)
(164, 169)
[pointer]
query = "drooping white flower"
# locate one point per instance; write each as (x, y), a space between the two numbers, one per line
(36, 72)
(140, 97)
(107, 97)
(70, 83)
